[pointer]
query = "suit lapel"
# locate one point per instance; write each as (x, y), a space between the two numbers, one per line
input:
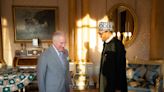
(56, 57)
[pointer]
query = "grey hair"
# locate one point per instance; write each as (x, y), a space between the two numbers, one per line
(56, 35)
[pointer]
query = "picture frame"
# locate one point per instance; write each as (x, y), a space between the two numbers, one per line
(34, 22)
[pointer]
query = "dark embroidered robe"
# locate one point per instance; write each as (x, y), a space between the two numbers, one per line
(113, 67)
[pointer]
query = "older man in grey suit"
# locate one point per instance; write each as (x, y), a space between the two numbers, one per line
(53, 66)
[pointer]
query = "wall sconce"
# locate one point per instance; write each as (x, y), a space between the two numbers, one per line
(119, 35)
(126, 36)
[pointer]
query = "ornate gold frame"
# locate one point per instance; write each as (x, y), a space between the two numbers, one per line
(131, 10)
(34, 22)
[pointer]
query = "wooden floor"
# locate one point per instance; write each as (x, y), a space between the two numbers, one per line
(89, 90)
(94, 90)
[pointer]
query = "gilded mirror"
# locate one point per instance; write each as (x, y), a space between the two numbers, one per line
(125, 23)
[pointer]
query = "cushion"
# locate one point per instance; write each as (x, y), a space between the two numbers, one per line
(142, 75)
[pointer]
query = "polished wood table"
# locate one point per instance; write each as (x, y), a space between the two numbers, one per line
(25, 61)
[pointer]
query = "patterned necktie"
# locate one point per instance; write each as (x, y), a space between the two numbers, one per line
(62, 58)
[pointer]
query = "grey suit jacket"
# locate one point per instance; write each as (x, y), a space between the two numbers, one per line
(52, 76)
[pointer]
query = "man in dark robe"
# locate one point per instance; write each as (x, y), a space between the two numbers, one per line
(113, 62)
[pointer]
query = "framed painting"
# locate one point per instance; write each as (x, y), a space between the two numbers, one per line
(34, 22)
